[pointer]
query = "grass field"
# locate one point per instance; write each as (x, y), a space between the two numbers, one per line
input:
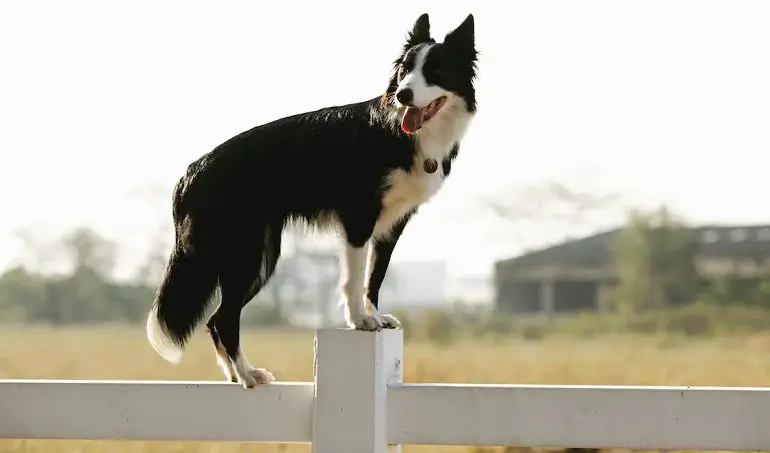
(121, 352)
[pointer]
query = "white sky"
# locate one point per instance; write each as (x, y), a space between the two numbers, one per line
(668, 100)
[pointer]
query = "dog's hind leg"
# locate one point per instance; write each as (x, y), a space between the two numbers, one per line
(245, 269)
(222, 359)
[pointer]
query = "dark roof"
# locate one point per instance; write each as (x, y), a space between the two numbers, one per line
(734, 241)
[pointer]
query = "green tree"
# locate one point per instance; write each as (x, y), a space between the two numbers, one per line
(23, 296)
(85, 293)
(88, 250)
(654, 258)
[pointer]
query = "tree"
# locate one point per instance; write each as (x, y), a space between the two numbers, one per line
(86, 249)
(654, 259)
(84, 292)
(23, 296)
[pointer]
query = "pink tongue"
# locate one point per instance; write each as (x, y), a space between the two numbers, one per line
(412, 120)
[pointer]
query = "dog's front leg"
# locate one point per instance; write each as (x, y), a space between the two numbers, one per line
(370, 263)
(353, 287)
(379, 260)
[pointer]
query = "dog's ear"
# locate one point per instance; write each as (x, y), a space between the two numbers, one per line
(462, 37)
(420, 31)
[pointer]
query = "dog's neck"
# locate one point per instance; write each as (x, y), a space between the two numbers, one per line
(437, 138)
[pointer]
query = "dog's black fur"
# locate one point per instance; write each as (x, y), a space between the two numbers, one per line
(330, 168)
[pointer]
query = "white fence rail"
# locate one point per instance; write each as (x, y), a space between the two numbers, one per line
(358, 404)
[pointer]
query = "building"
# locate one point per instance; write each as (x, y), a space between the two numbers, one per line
(576, 275)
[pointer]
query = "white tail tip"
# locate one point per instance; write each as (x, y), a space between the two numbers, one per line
(160, 340)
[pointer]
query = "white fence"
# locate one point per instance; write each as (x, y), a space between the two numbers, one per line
(358, 404)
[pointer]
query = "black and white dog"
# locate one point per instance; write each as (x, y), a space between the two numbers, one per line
(360, 169)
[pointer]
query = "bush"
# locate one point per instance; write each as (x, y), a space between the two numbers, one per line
(495, 323)
(687, 321)
(439, 326)
(533, 330)
(691, 321)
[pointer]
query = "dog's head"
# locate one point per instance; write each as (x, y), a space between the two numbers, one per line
(431, 76)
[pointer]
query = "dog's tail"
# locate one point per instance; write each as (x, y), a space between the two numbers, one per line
(180, 302)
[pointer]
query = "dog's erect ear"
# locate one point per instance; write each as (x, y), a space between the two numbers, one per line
(462, 37)
(420, 31)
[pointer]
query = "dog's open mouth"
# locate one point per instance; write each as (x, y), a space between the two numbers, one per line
(415, 117)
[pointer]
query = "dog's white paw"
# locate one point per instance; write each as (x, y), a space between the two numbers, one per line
(255, 377)
(373, 321)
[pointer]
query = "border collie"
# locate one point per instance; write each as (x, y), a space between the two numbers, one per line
(360, 170)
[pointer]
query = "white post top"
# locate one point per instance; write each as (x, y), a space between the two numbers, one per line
(356, 404)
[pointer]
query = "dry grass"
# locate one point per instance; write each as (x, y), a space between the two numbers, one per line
(122, 353)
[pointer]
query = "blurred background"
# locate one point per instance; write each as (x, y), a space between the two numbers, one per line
(605, 221)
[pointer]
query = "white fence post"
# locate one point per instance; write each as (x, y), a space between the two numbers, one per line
(352, 372)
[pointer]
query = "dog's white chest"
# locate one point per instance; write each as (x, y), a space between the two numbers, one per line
(407, 191)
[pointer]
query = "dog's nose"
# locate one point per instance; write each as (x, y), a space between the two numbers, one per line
(405, 96)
